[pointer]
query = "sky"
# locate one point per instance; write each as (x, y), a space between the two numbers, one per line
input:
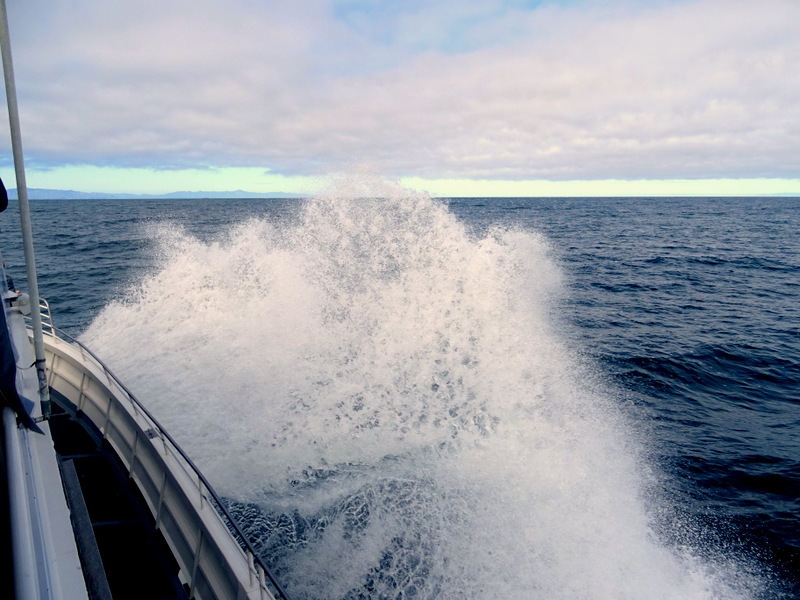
(453, 97)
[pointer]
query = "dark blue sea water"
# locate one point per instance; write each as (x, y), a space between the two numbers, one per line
(681, 314)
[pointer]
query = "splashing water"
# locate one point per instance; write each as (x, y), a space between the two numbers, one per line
(386, 401)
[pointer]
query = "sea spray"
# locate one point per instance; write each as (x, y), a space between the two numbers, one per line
(386, 401)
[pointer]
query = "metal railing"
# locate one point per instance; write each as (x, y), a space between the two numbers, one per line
(204, 488)
(46, 316)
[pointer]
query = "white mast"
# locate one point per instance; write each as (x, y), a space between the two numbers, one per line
(24, 210)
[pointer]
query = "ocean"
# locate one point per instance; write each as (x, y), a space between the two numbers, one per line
(404, 397)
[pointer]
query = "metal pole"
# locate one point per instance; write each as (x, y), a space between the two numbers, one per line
(24, 210)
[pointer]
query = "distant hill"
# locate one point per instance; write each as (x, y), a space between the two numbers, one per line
(45, 194)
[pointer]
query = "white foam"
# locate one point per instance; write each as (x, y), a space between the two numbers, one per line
(375, 372)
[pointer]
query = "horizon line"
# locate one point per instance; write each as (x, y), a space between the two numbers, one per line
(247, 195)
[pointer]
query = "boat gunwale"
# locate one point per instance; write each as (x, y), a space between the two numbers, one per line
(242, 542)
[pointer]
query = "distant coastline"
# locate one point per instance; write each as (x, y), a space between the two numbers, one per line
(45, 194)
(48, 194)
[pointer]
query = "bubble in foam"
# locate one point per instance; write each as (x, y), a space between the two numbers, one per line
(385, 400)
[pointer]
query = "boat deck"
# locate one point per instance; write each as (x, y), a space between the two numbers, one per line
(135, 558)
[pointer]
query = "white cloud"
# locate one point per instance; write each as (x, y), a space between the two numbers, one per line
(693, 89)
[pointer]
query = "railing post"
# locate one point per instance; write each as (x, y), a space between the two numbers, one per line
(108, 417)
(134, 448)
(82, 394)
(161, 491)
(251, 566)
(198, 549)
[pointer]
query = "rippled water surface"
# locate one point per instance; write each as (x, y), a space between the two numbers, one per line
(412, 398)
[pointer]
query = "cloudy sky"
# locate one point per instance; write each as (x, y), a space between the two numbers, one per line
(457, 97)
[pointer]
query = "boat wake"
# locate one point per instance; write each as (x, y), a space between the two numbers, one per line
(389, 404)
